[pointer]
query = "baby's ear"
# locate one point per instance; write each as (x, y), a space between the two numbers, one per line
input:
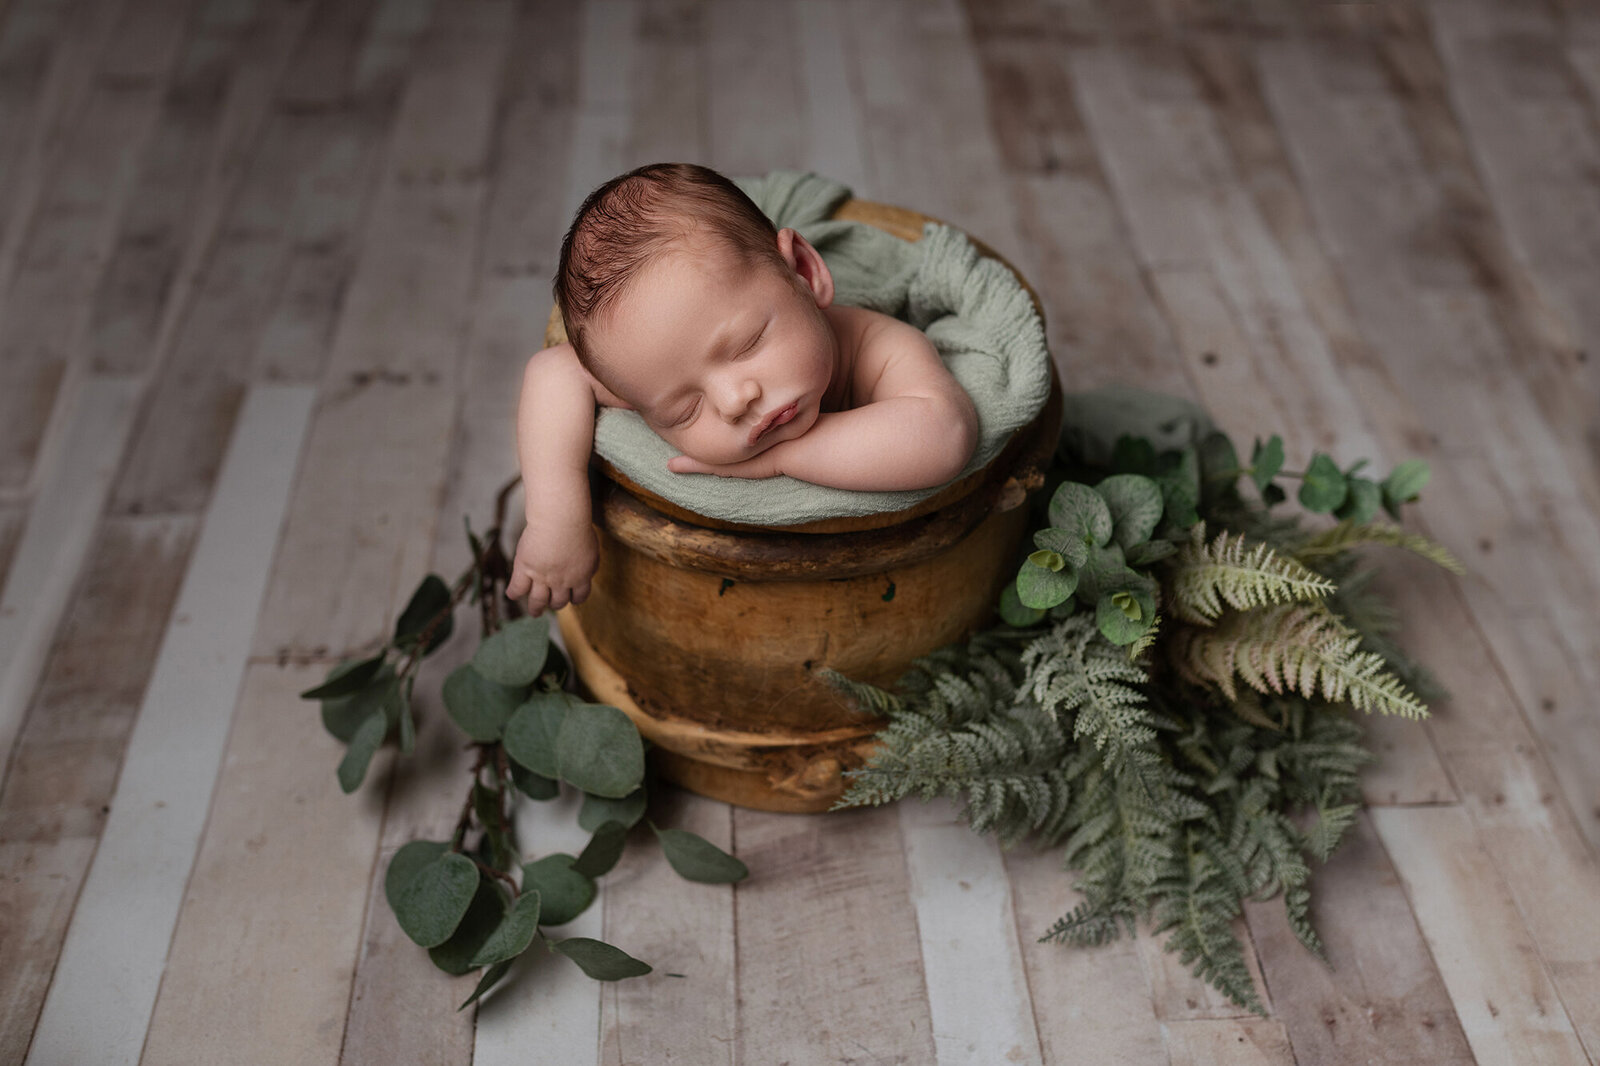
(808, 265)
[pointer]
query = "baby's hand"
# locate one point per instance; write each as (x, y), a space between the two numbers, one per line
(757, 466)
(554, 564)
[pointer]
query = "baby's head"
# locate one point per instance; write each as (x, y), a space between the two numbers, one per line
(685, 301)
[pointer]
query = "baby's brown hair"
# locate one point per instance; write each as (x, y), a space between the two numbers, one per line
(635, 217)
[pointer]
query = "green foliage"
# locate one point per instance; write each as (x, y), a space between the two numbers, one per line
(600, 960)
(470, 900)
(697, 859)
(1185, 767)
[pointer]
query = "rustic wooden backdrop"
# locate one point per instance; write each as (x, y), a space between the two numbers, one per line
(269, 271)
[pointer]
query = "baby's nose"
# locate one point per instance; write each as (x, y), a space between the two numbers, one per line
(739, 396)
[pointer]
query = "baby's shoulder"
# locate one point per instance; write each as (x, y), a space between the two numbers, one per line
(871, 335)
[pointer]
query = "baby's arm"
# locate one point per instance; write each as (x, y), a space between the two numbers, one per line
(914, 427)
(557, 553)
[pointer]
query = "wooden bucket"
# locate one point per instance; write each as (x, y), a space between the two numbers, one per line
(708, 633)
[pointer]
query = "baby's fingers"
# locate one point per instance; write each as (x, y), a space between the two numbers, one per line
(538, 599)
(682, 464)
(518, 586)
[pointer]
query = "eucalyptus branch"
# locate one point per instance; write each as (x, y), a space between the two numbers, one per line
(498, 875)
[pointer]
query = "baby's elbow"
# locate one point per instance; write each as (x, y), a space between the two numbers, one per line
(960, 439)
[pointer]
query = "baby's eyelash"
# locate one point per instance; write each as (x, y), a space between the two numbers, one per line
(753, 342)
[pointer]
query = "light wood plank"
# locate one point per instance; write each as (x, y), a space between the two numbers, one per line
(117, 945)
(753, 82)
(260, 961)
(978, 993)
(210, 116)
(1378, 999)
(922, 97)
(834, 139)
(60, 258)
(1504, 494)
(547, 1011)
(299, 205)
(12, 519)
(667, 104)
(1524, 120)
(395, 351)
(1509, 1009)
(1247, 1042)
(1092, 1004)
(1513, 799)
(41, 889)
(70, 750)
(75, 479)
(826, 921)
(688, 1010)
(43, 104)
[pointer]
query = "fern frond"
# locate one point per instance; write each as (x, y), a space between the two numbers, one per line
(869, 699)
(1297, 905)
(1330, 827)
(1146, 641)
(1292, 648)
(1347, 535)
(1199, 910)
(1089, 925)
(1205, 576)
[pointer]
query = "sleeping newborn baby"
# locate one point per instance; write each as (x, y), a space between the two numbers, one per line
(683, 302)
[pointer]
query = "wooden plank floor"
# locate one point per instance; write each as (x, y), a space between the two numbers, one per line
(269, 270)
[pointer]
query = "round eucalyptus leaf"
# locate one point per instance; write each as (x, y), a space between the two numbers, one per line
(1363, 501)
(531, 732)
(1082, 512)
(476, 704)
(433, 900)
(1124, 615)
(697, 859)
(431, 598)
(599, 750)
(1150, 551)
(343, 715)
(1180, 489)
(564, 892)
(1014, 612)
(1047, 559)
(534, 786)
(514, 933)
(1104, 570)
(598, 810)
(1219, 464)
(600, 960)
(409, 861)
(346, 678)
(368, 739)
(515, 655)
(1324, 487)
(1061, 541)
(490, 978)
(602, 851)
(1135, 503)
(1406, 481)
(1266, 460)
(1042, 589)
(483, 916)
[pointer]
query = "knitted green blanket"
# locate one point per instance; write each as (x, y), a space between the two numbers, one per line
(973, 309)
